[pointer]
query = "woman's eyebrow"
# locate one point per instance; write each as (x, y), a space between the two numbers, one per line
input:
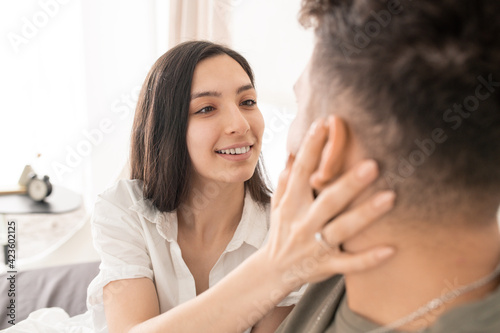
(205, 93)
(218, 94)
(244, 88)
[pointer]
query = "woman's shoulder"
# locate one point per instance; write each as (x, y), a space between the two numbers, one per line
(130, 186)
(124, 193)
(123, 203)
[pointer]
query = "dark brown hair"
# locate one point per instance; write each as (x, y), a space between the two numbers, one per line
(159, 155)
(424, 77)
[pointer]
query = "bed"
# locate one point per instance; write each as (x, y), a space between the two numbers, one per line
(59, 286)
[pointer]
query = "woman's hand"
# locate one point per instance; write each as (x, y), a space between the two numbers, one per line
(303, 242)
(291, 257)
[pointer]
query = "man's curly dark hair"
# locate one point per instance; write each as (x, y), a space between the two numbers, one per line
(425, 77)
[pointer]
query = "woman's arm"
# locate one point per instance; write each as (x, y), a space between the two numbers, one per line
(290, 258)
(272, 320)
(129, 302)
(236, 303)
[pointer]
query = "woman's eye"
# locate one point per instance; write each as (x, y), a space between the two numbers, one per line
(206, 109)
(249, 102)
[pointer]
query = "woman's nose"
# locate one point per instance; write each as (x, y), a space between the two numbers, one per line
(236, 121)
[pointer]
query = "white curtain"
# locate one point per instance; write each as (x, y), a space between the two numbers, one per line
(201, 19)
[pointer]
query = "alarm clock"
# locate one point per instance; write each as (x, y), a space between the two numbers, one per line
(38, 188)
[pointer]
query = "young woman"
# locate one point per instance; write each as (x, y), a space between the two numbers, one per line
(172, 238)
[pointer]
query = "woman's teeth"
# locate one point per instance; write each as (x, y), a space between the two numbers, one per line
(234, 151)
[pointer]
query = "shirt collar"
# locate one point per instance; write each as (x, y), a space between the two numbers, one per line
(166, 223)
(252, 229)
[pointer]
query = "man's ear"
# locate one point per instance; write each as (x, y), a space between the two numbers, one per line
(332, 158)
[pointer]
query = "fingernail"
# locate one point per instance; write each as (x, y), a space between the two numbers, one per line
(367, 171)
(384, 199)
(331, 120)
(318, 123)
(384, 253)
(315, 180)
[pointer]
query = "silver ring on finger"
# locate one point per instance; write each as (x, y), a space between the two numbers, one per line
(321, 240)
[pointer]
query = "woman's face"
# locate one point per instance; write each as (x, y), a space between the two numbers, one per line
(225, 126)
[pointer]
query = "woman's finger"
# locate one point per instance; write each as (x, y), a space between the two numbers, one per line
(352, 222)
(282, 181)
(346, 263)
(306, 161)
(339, 194)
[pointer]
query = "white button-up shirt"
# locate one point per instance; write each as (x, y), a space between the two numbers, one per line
(135, 240)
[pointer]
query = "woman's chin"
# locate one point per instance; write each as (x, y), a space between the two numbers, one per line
(238, 178)
(224, 175)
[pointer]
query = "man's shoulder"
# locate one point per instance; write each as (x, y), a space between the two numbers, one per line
(316, 308)
(481, 316)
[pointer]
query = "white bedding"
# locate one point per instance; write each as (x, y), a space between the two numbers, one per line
(53, 320)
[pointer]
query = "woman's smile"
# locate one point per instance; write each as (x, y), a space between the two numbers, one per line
(238, 153)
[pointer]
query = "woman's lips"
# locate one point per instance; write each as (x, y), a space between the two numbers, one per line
(236, 154)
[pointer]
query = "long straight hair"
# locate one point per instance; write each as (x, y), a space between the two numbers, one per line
(159, 155)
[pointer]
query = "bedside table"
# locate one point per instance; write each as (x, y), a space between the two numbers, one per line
(41, 227)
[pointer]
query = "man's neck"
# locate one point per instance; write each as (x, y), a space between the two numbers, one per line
(426, 266)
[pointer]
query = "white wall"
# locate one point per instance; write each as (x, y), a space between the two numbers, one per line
(121, 44)
(42, 88)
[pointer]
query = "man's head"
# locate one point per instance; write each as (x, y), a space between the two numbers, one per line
(418, 84)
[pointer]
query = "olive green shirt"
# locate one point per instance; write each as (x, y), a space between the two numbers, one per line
(323, 309)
